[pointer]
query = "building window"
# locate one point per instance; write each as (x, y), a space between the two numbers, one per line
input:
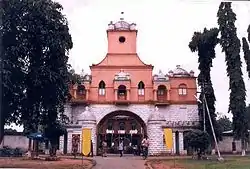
(122, 126)
(141, 88)
(182, 89)
(233, 146)
(161, 91)
(81, 90)
(122, 90)
(101, 89)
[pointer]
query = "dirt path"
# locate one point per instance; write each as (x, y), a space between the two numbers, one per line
(119, 162)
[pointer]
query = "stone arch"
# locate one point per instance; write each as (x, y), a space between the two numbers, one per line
(112, 135)
(125, 113)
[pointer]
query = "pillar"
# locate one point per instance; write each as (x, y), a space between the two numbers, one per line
(61, 144)
(181, 143)
(128, 94)
(155, 95)
(155, 136)
(115, 94)
(174, 144)
(168, 94)
(69, 145)
(92, 126)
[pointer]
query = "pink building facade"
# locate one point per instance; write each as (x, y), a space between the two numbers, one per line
(121, 98)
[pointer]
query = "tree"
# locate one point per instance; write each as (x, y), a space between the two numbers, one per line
(205, 44)
(224, 124)
(36, 42)
(246, 50)
(230, 44)
(12, 73)
(74, 77)
(198, 140)
(248, 115)
(54, 132)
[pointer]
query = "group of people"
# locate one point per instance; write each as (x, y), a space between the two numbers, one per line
(144, 143)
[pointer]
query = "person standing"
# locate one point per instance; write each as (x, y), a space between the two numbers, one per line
(104, 147)
(145, 144)
(120, 148)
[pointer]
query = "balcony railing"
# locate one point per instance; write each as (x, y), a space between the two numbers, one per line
(162, 100)
(122, 99)
(80, 96)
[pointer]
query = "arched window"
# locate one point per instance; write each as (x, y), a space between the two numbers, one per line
(101, 89)
(182, 89)
(141, 88)
(81, 90)
(122, 90)
(161, 91)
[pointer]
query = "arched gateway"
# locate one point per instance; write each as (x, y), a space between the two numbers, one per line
(120, 124)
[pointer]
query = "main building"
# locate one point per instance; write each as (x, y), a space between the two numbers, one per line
(121, 98)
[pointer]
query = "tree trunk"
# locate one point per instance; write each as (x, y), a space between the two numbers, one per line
(243, 147)
(53, 148)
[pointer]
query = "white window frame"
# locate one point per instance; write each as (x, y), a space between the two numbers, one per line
(141, 92)
(160, 92)
(101, 92)
(182, 91)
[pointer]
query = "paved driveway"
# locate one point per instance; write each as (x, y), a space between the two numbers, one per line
(116, 162)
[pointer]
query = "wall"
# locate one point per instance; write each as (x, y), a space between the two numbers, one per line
(16, 141)
(225, 146)
(107, 75)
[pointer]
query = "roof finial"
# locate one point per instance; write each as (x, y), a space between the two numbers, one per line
(121, 16)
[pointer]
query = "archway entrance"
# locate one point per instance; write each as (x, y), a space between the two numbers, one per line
(120, 125)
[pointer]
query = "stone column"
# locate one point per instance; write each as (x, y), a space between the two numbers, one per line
(69, 145)
(155, 136)
(115, 94)
(181, 143)
(128, 94)
(155, 132)
(174, 144)
(61, 144)
(155, 95)
(168, 94)
(88, 120)
(92, 126)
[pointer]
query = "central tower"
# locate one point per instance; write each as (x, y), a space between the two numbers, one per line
(121, 37)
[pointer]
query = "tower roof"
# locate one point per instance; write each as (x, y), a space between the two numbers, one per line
(86, 115)
(180, 72)
(121, 25)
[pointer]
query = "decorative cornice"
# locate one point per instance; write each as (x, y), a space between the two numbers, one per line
(88, 102)
(175, 124)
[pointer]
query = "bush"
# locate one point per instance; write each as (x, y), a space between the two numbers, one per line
(10, 152)
(198, 140)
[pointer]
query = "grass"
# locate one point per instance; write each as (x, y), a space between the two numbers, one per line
(229, 163)
(41, 164)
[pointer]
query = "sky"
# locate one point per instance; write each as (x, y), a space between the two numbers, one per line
(165, 29)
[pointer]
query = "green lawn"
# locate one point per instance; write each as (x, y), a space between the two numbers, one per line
(229, 163)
